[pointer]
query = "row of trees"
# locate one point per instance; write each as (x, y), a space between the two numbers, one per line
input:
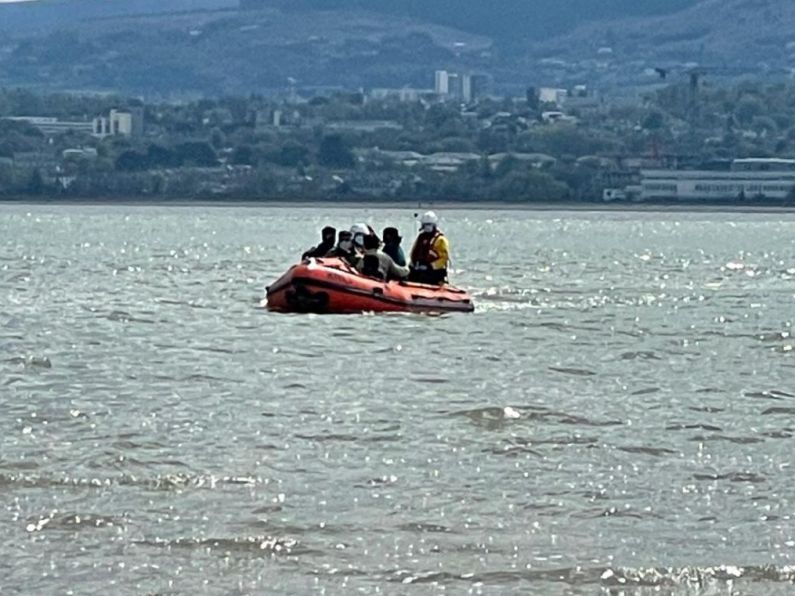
(698, 125)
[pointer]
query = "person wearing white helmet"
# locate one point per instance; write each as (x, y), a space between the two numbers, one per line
(430, 255)
(359, 231)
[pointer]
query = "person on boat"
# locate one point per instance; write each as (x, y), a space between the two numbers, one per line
(327, 238)
(345, 249)
(392, 247)
(376, 263)
(359, 232)
(430, 254)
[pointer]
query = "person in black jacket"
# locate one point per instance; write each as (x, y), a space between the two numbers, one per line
(345, 249)
(328, 237)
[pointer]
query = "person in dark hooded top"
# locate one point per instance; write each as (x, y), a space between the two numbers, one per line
(328, 237)
(392, 247)
(345, 249)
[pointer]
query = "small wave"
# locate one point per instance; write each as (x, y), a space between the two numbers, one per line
(770, 411)
(511, 450)
(31, 362)
(492, 418)
(773, 394)
(786, 433)
(579, 372)
(74, 521)
(735, 440)
(643, 355)
(648, 391)
(582, 421)
(119, 316)
(430, 380)
(723, 577)
(425, 528)
(733, 477)
(612, 512)
(267, 545)
(655, 451)
(346, 438)
(380, 481)
(161, 482)
(708, 427)
(518, 445)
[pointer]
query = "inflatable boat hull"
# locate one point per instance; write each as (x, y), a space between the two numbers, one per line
(333, 286)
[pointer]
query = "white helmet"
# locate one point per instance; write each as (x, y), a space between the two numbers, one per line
(429, 218)
(360, 228)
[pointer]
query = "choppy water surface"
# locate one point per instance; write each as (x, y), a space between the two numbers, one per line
(617, 417)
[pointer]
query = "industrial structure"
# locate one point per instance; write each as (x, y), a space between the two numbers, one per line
(747, 179)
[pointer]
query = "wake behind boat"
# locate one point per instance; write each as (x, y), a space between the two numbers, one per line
(331, 285)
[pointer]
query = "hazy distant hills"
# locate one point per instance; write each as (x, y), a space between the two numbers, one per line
(508, 21)
(191, 47)
(45, 15)
(233, 52)
(731, 35)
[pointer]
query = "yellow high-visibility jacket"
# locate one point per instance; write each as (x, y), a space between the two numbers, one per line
(431, 249)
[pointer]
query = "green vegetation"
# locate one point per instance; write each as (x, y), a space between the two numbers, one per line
(345, 147)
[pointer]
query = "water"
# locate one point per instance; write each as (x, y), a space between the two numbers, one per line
(617, 417)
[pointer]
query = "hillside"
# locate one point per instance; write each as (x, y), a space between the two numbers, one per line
(723, 38)
(223, 52)
(46, 15)
(509, 22)
(196, 47)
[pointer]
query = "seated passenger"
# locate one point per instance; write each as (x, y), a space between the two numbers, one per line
(327, 237)
(376, 263)
(345, 249)
(392, 247)
(430, 255)
(360, 231)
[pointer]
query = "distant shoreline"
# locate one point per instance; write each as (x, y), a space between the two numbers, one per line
(574, 206)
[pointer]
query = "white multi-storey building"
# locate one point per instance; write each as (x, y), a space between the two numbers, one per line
(748, 179)
(442, 82)
(128, 123)
(52, 126)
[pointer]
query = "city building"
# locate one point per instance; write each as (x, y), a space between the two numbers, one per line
(441, 84)
(128, 123)
(747, 179)
(455, 86)
(552, 95)
(404, 94)
(53, 126)
(479, 86)
(363, 125)
(80, 153)
(555, 116)
(465, 87)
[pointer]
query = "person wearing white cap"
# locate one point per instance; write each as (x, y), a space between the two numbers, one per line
(430, 255)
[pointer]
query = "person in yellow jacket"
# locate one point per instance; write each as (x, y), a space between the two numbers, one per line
(430, 255)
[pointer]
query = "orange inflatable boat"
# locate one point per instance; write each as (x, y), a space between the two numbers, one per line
(333, 286)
